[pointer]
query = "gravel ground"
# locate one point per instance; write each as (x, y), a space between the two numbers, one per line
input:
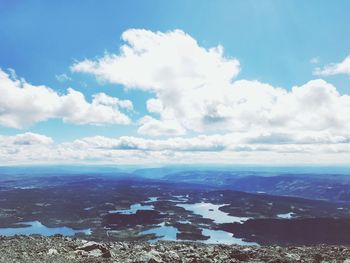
(35, 249)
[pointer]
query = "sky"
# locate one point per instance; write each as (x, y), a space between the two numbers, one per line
(164, 82)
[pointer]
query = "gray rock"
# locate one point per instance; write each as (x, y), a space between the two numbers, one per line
(60, 249)
(52, 251)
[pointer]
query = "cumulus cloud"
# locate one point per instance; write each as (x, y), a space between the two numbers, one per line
(195, 90)
(152, 60)
(103, 99)
(217, 143)
(199, 143)
(198, 109)
(27, 138)
(257, 147)
(342, 67)
(25, 148)
(154, 127)
(233, 148)
(23, 104)
(171, 65)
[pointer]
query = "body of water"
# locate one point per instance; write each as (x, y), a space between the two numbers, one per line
(36, 227)
(162, 232)
(223, 237)
(211, 211)
(206, 210)
(152, 199)
(133, 209)
(286, 216)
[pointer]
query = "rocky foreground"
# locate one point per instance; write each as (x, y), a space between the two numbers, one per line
(64, 249)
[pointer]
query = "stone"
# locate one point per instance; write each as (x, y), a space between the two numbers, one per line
(240, 256)
(52, 251)
(44, 249)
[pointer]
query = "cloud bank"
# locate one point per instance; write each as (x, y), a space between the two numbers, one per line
(257, 148)
(195, 90)
(199, 111)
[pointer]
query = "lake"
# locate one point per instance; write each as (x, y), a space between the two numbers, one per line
(211, 211)
(36, 227)
(133, 209)
(286, 216)
(223, 237)
(164, 232)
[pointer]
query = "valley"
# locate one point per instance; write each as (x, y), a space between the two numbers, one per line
(130, 207)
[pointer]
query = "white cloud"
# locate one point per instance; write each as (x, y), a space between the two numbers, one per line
(155, 105)
(215, 143)
(173, 66)
(23, 104)
(318, 147)
(25, 148)
(103, 99)
(199, 143)
(152, 61)
(63, 77)
(334, 68)
(195, 91)
(25, 139)
(153, 127)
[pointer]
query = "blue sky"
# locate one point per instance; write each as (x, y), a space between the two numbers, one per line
(279, 43)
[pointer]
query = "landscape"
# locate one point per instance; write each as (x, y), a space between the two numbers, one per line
(240, 206)
(183, 131)
(173, 203)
